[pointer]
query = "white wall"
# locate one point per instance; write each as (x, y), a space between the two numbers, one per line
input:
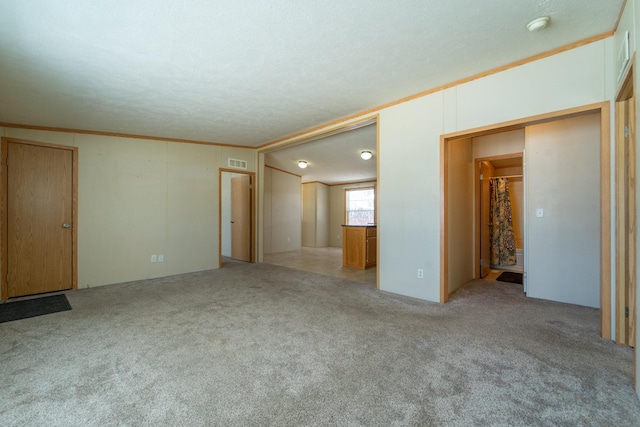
(282, 211)
(563, 179)
(409, 197)
(409, 153)
(569, 79)
(139, 197)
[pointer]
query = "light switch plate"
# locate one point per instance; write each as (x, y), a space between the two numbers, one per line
(540, 212)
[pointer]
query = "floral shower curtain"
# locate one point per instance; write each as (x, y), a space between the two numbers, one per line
(503, 242)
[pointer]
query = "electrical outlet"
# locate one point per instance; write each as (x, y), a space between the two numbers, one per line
(153, 258)
(160, 258)
(420, 273)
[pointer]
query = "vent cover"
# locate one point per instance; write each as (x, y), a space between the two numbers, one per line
(237, 164)
(623, 56)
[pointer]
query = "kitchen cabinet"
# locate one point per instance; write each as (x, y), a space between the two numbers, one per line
(359, 246)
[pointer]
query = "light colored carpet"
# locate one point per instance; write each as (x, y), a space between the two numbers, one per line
(256, 344)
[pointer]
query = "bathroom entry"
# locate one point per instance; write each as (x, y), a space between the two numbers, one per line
(500, 208)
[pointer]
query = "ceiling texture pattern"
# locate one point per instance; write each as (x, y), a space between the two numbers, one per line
(332, 160)
(248, 72)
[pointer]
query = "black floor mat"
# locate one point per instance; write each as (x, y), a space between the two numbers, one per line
(33, 307)
(511, 277)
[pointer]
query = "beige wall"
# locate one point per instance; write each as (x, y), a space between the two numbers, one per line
(309, 215)
(336, 215)
(315, 215)
(139, 197)
(498, 143)
(322, 216)
(282, 208)
(516, 195)
(461, 218)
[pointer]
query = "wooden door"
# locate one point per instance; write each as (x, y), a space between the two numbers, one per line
(486, 172)
(241, 218)
(625, 222)
(39, 219)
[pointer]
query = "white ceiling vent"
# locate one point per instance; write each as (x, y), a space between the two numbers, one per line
(237, 164)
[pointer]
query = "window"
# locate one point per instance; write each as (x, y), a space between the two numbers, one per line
(360, 206)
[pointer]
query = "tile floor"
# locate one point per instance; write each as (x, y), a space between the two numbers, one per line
(327, 261)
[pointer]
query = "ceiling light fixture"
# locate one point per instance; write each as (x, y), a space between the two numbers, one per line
(538, 24)
(366, 155)
(302, 164)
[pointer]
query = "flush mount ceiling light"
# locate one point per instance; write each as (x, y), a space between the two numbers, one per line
(302, 164)
(366, 155)
(538, 24)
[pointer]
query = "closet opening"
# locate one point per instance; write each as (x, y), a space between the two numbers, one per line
(565, 177)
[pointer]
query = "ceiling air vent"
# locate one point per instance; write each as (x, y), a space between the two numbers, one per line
(237, 164)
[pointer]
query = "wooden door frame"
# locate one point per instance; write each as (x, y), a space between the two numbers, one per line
(477, 193)
(252, 231)
(603, 108)
(625, 92)
(4, 223)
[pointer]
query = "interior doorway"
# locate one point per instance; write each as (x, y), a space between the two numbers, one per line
(456, 151)
(39, 213)
(499, 211)
(625, 220)
(236, 215)
(303, 209)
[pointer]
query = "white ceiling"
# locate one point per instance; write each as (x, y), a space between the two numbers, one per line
(251, 71)
(332, 160)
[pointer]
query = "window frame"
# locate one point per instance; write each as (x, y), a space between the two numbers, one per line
(346, 203)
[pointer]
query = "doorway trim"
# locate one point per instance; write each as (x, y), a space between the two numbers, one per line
(252, 232)
(625, 215)
(603, 108)
(4, 197)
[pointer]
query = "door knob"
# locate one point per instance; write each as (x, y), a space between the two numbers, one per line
(66, 225)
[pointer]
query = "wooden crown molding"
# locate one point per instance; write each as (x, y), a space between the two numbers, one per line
(336, 123)
(118, 135)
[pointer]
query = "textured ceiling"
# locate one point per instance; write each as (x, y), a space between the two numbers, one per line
(249, 72)
(331, 160)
